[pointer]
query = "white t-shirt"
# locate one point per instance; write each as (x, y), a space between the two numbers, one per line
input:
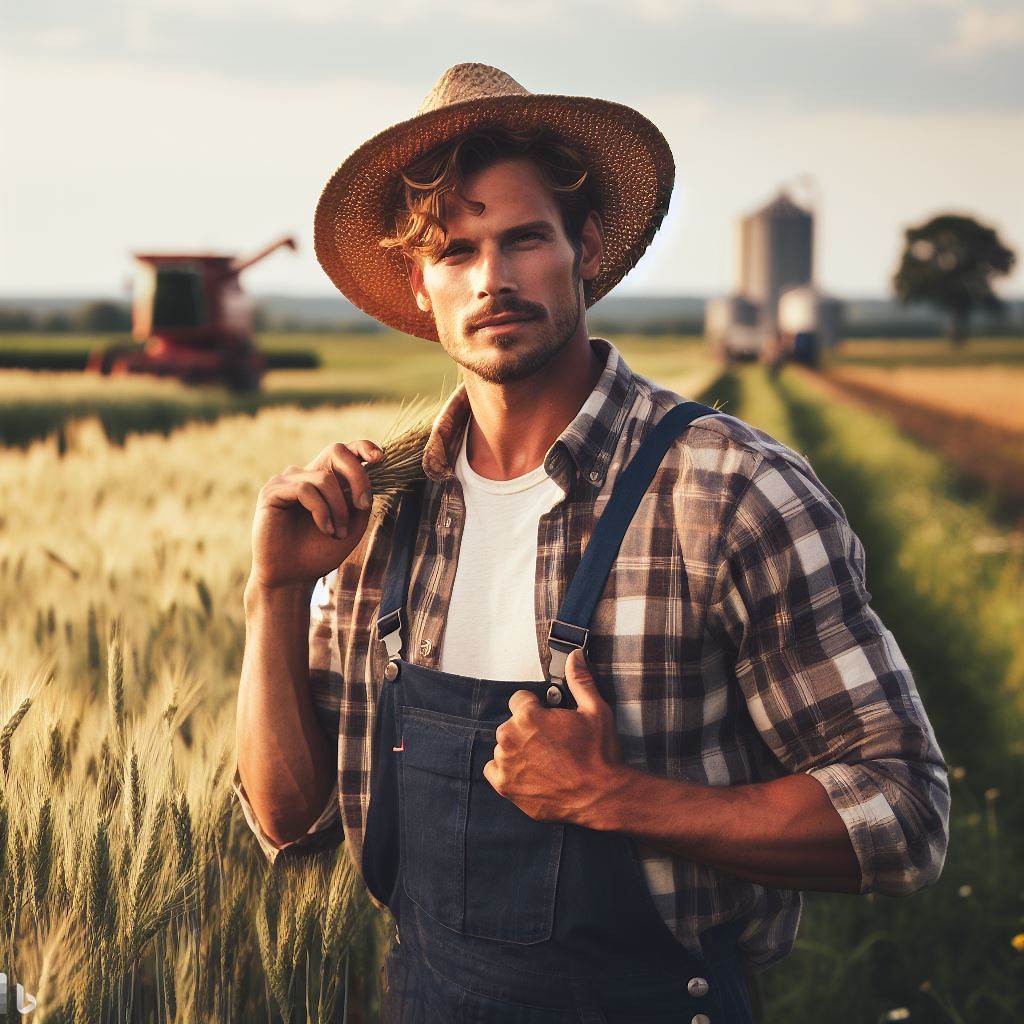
(489, 631)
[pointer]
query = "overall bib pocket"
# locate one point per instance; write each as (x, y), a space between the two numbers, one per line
(434, 795)
(471, 858)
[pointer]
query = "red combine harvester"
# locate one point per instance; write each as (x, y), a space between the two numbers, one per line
(193, 320)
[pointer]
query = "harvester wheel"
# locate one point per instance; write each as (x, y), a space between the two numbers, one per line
(103, 360)
(244, 379)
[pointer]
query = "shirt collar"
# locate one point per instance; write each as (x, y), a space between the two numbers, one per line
(589, 440)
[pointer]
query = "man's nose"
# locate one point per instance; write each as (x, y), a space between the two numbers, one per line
(494, 274)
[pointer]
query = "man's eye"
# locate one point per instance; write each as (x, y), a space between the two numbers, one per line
(529, 234)
(454, 251)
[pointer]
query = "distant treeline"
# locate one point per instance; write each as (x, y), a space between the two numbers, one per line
(25, 357)
(91, 317)
(103, 316)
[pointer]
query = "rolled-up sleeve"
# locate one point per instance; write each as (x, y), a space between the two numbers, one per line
(825, 682)
(325, 832)
(325, 689)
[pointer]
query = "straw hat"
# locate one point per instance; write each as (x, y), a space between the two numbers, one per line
(629, 160)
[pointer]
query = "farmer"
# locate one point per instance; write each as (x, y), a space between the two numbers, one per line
(586, 731)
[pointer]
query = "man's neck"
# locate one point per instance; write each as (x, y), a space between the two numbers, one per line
(512, 426)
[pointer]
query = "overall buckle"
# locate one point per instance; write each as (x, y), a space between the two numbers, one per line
(563, 639)
(389, 630)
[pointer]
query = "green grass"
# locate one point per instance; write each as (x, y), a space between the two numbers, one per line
(949, 585)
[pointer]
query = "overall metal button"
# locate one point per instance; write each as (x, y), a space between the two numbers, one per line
(698, 987)
(554, 694)
(391, 672)
(426, 646)
(700, 1018)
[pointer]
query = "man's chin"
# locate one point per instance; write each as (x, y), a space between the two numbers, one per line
(505, 357)
(509, 361)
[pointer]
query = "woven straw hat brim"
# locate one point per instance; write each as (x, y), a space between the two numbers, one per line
(628, 157)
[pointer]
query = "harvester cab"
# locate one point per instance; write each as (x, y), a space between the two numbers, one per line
(191, 320)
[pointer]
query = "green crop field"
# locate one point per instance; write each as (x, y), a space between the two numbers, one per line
(132, 888)
(353, 368)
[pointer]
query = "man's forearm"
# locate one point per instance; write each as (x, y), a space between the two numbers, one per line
(784, 833)
(284, 759)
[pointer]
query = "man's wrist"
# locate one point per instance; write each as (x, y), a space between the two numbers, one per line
(615, 792)
(257, 596)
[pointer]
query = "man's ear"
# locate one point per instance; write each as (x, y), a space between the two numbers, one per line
(416, 283)
(591, 246)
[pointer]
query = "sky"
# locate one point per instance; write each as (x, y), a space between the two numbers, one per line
(214, 124)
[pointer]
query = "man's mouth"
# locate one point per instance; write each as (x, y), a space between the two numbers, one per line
(503, 320)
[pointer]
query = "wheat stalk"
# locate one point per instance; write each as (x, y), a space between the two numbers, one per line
(42, 854)
(401, 468)
(8, 732)
(115, 684)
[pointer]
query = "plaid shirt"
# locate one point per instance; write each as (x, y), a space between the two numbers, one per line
(735, 627)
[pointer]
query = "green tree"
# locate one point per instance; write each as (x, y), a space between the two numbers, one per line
(101, 315)
(16, 320)
(261, 320)
(949, 262)
(55, 322)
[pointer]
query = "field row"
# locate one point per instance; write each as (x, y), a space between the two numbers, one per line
(949, 583)
(973, 417)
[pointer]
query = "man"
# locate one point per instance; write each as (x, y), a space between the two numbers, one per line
(734, 719)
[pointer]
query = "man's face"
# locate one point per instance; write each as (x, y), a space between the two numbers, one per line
(511, 260)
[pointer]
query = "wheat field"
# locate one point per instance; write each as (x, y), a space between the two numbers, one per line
(132, 888)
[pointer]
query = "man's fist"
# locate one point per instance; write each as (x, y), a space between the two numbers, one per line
(554, 763)
(309, 519)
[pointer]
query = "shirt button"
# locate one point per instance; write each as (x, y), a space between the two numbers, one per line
(554, 695)
(700, 1018)
(425, 647)
(391, 672)
(698, 987)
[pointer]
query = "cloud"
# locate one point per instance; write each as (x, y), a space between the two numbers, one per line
(216, 123)
(812, 54)
(836, 13)
(979, 31)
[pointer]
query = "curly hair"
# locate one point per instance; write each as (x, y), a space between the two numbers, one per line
(418, 200)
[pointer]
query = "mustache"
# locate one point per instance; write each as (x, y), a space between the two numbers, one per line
(513, 307)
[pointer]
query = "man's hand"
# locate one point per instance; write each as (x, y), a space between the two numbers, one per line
(555, 764)
(309, 519)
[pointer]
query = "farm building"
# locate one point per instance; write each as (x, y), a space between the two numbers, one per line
(776, 307)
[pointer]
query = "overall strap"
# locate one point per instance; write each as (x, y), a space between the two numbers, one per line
(569, 630)
(390, 620)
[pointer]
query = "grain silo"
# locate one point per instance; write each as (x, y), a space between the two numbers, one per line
(776, 310)
(777, 252)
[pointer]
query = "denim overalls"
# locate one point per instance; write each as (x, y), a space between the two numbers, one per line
(502, 918)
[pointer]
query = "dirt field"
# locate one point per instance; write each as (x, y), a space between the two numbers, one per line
(970, 415)
(988, 393)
